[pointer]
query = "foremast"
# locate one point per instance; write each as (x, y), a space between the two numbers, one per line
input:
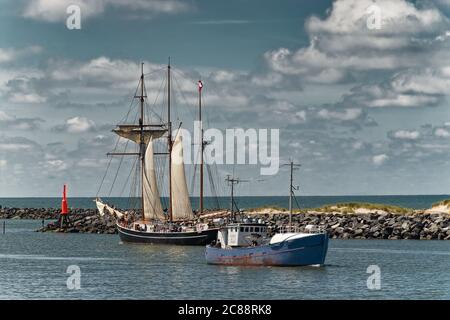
(142, 143)
(143, 134)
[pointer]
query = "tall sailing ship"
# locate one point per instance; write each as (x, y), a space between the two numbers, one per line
(177, 225)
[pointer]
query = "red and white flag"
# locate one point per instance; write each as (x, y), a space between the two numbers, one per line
(200, 85)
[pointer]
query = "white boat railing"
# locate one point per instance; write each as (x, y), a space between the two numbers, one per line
(301, 229)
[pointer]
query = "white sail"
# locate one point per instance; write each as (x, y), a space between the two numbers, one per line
(100, 207)
(181, 204)
(104, 208)
(152, 202)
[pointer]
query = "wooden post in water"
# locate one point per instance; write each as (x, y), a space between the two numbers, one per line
(4, 227)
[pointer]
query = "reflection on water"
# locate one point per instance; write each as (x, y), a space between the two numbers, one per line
(33, 265)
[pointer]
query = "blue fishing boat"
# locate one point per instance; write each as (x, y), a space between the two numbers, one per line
(248, 244)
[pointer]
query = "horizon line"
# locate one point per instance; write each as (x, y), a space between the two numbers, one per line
(261, 196)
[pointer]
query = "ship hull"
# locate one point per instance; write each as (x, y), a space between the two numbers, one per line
(199, 238)
(310, 250)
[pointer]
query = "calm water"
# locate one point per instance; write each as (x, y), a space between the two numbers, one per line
(415, 201)
(33, 265)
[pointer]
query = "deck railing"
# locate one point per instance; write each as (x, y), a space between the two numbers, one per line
(300, 229)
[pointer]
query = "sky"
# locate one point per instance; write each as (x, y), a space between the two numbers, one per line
(363, 109)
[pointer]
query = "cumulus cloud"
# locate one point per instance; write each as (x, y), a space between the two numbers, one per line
(24, 90)
(11, 54)
(54, 11)
(442, 133)
(410, 88)
(404, 135)
(12, 122)
(379, 159)
(402, 64)
(76, 125)
(341, 43)
(17, 145)
(344, 115)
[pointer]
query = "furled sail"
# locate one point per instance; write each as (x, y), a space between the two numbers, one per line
(133, 133)
(152, 201)
(181, 204)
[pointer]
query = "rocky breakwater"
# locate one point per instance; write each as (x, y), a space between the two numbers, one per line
(355, 222)
(342, 221)
(39, 213)
(78, 220)
(87, 222)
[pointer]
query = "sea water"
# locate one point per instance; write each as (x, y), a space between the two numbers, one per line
(34, 265)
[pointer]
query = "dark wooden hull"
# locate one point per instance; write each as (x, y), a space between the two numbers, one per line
(200, 238)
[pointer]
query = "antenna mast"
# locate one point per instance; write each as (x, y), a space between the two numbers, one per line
(293, 166)
(232, 181)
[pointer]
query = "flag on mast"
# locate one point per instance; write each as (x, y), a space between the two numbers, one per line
(200, 85)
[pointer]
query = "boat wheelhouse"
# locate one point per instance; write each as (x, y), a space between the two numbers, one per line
(242, 234)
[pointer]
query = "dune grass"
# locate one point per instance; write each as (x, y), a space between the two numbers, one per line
(441, 203)
(352, 206)
(348, 207)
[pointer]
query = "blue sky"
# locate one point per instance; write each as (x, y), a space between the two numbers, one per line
(365, 111)
(208, 33)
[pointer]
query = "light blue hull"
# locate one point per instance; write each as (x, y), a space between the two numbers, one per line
(310, 250)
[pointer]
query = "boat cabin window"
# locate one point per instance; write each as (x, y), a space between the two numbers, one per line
(246, 229)
(256, 229)
(242, 229)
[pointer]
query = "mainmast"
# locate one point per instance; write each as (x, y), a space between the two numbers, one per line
(169, 142)
(200, 87)
(142, 141)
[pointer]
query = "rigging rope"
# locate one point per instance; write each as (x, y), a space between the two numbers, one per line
(128, 178)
